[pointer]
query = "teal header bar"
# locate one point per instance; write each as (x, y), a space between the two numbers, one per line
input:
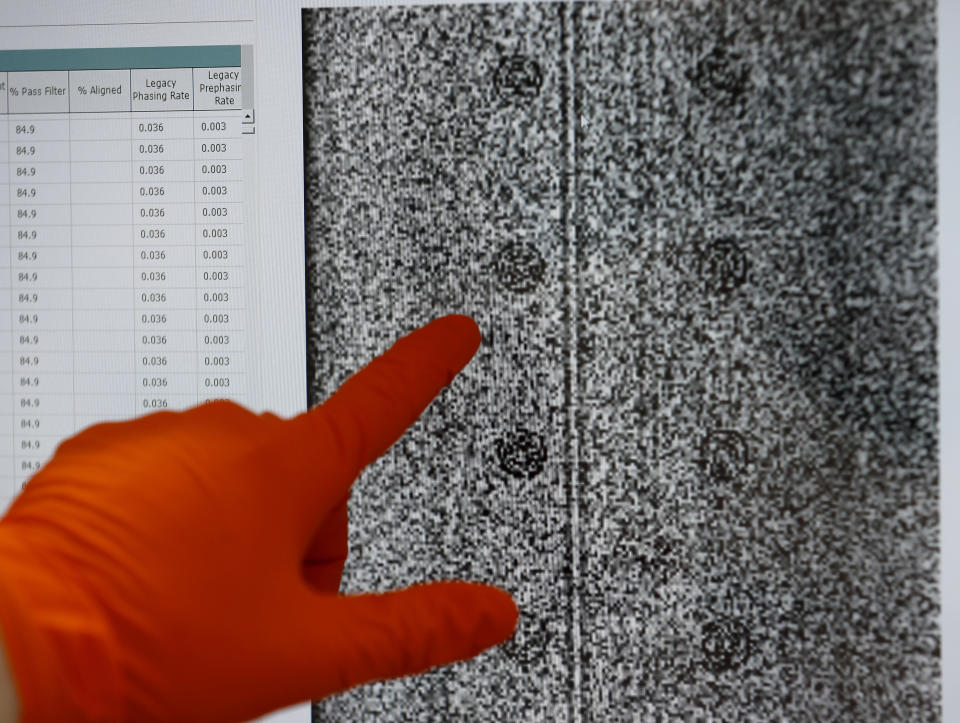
(174, 56)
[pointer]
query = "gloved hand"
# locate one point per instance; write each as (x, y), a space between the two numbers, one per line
(184, 566)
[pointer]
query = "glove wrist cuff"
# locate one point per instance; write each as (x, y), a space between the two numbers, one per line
(59, 645)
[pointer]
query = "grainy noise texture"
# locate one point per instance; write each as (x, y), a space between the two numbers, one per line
(698, 443)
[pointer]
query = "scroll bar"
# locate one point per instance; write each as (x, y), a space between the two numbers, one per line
(248, 117)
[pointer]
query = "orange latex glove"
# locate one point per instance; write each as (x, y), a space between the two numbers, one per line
(185, 566)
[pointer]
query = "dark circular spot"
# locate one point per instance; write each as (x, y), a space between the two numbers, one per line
(663, 547)
(522, 454)
(520, 266)
(721, 70)
(722, 266)
(663, 560)
(789, 673)
(724, 454)
(518, 76)
(726, 644)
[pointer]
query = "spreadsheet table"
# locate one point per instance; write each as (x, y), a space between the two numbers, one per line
(122, 245)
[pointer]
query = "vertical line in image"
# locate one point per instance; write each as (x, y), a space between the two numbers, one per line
(196, 232)
(133, 243)
(567, 213)
(73, 290)
(13, 407)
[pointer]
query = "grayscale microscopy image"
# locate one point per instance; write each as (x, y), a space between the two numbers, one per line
(698, 443)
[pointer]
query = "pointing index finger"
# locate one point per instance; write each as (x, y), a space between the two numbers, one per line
(375, 406)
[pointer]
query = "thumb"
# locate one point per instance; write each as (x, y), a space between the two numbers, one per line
(376, 636)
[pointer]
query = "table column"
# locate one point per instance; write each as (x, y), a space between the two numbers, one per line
(220, 238)
(42, 299)
(7, 479)
(103, 273)
(164, 216)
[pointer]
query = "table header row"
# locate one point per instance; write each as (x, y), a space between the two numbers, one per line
(100, 91)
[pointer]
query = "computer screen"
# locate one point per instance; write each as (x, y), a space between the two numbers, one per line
(706, 441)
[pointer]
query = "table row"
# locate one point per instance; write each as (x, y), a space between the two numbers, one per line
(48, 386)
(121, 321)
(115, 149)
(183, 124)
(122, 171)
(115, 214)
(107, 277)
(206, 298)
(163, 216)
(139, 194)
(55, 411)
(147, 255)
(202, 170)
(136, 235)
(124, 361)
(58, 409)
(105, 341)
